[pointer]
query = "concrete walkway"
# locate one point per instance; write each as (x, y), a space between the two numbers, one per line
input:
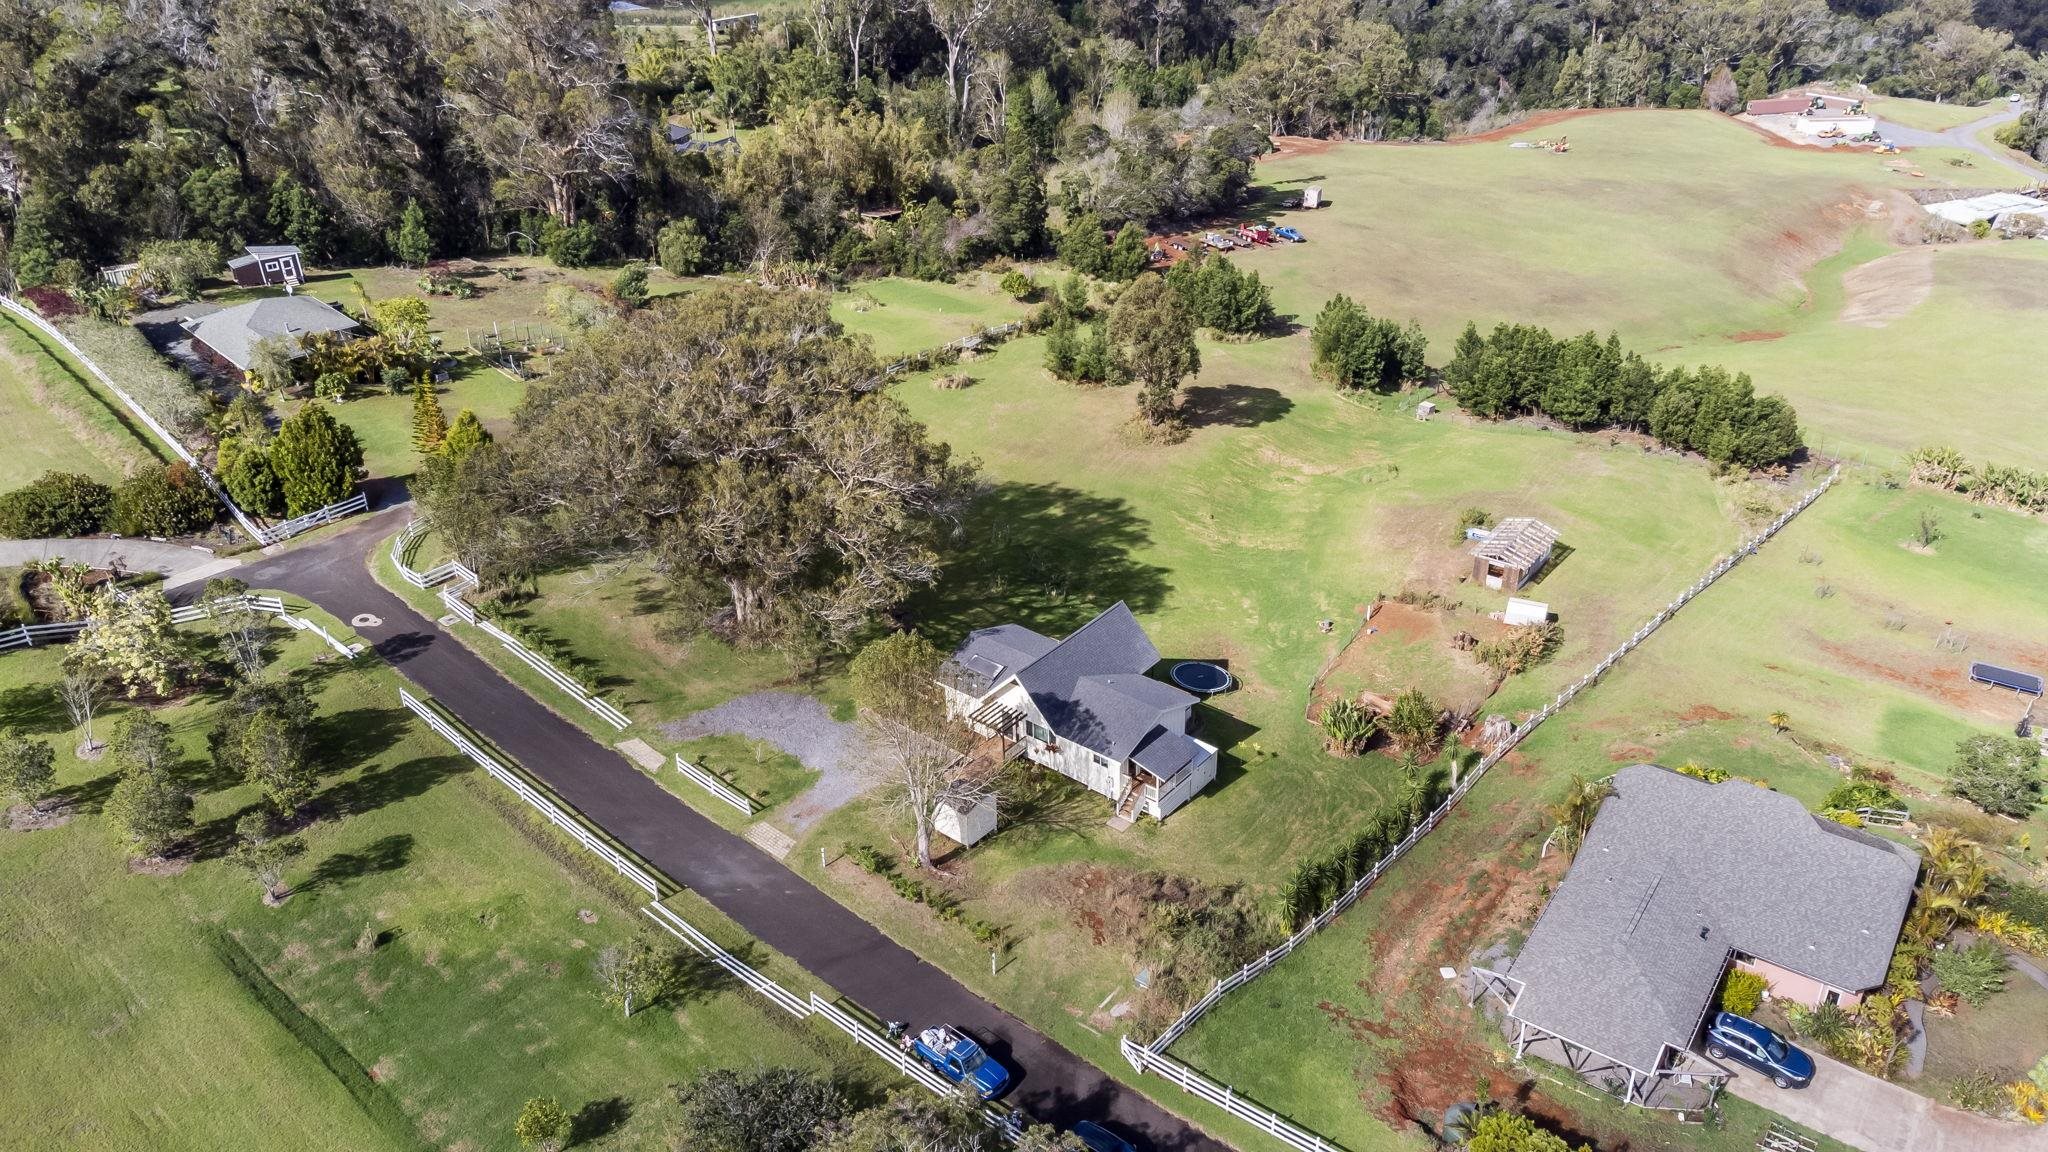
(767, 900)
(180, 565)
(1964, 136)
(1877, 1116)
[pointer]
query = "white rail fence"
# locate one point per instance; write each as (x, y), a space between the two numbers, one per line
(456, 581)
(637, 875)
(973, 340)
(705, 946)
(1151, 1057)
(262, 535)
(26, 636)
(715, 786)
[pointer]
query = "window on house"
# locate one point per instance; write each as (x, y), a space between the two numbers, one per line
(1039, 732)
(1101, 761)
(1832, 997)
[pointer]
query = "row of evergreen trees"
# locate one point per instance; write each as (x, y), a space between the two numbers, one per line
(1360, 350)
(1221, 297)
(1585, 383)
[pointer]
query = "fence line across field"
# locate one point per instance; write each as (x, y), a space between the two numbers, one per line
(272, 535)
(1151, 1057)
(456, 581)
(576, 829)
(26, 636)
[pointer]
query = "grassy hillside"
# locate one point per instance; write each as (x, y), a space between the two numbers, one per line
(55, 419)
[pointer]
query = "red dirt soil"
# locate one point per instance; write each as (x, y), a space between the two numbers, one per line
(1289, 147)
(1539, 120)
(1756, 336)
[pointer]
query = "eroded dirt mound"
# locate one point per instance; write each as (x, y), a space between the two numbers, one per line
(1881, 291)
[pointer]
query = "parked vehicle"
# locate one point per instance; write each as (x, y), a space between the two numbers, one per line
(1738, 1038)
(1289, 233)
(954, 1055)
(1100, 1139)
(1218, 241)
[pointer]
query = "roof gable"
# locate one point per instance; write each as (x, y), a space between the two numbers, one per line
(232, 332)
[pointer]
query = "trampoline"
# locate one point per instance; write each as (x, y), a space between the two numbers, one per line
(1201, 677)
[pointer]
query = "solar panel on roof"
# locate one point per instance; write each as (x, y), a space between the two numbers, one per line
(2006, 678)
(982, 665)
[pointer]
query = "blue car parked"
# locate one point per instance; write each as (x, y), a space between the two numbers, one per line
(1100, 1139)
(954, 1055)
(1288, 233)
(1738, 1038)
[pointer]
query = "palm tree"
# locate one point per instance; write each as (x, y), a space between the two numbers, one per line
(1778, 721)
(1574, 814)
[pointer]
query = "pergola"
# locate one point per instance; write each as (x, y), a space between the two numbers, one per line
(1683, 1081)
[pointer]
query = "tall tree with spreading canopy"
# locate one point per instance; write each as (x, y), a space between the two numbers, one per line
(903, 715)
(740, 437)
(1154, 335)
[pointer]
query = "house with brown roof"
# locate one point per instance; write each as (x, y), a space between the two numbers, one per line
(1513, 553)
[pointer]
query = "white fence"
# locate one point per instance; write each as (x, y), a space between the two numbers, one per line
(1152, 1055)
(262, 535)
(715, 786)
(973, 340)
(1224, 1097)
(704, 946)
(26, 635)
(456, 581)
(639, 876)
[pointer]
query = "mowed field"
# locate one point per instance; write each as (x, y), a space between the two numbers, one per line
(55, 419)
(1697, 241)
(430, 972)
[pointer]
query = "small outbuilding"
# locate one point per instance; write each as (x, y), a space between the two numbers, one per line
(965, 820)
(1779, 106)
(261, 265)
(1425, 410)
(1513, 553)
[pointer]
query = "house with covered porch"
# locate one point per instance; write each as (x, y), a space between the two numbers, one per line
(1677, 881)
(1085, 708)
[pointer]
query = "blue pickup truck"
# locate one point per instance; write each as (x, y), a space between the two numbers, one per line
(954, 1055)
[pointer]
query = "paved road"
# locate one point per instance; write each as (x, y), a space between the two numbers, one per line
(768, 900)
(1878, 1116)
(1965, 137)
(179, 564)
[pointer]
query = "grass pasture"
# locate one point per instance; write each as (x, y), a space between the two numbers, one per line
(901, 316)
(1927, 115)
(429, 973)
(56, 419)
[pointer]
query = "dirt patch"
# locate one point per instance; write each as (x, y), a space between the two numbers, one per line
(1701, 713)
(24, 818)
(1527, 124)
(1886, 288)
(1627, 753)
(1289, 147)
(160, 866)
(1756, 336)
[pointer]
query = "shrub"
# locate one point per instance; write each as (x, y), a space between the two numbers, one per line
(679, 247)
(55, 504)
(163, 500)
(1999, 774)
(251, 482)
(1018, 285)
(543, 1125)
(1347, 727)
(165, 392)
(630, 285)
(1982, 1091)
(1972, 973)
(1742, 992)
(1470, 518)
(331, 387)
(869, 858)
(1522, 648)
(316, 460)
(1860, 793)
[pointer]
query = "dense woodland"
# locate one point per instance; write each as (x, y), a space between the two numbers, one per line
(540, 124)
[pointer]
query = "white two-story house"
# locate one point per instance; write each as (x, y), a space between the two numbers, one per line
(1084, 707)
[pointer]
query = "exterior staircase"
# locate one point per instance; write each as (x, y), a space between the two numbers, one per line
(1127, 808)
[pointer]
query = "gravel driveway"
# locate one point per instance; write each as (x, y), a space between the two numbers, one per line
(801, 727)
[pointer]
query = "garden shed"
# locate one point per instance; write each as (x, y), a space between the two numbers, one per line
(1513, 553)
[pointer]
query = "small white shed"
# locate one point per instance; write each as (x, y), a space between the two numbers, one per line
(965, 819)
(1522, 612)
(1425, 410)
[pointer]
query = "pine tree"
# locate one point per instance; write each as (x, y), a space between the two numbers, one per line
(466, 436)
(429, 423)
(316, 458)
(412, 243)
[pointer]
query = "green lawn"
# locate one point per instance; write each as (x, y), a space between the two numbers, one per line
(382, 421)
(2005, 1037)
(429, 973)
(56, 419)
(1927, 115)
(903, 316)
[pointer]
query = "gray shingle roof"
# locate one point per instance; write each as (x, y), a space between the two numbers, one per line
(1675, 874)
(1091, 687)
(1164, 753)
(1518, 541)
(231, 331)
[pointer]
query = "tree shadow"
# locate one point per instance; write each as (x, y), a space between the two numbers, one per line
(404, 646)
(1046, 556)
(347, 739)
(89, 797)
(386, 854)
(34, 710)
(598, 1119)
(1038, 801)
(1232, 405)
(1213, 725)
(373, 790)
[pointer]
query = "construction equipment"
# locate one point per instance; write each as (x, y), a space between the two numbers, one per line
(1887, 148)
(1563, 145)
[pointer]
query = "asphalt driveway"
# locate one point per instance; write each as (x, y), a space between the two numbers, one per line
(772, 903)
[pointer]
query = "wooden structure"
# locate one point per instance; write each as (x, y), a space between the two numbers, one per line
(262, 265)
(1513, 553)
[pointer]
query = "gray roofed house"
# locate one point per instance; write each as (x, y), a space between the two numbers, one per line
(227, 336)
(1676, 879)
(1085, 707)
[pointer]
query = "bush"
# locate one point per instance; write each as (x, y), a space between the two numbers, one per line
(1999, 774)
(1974, 974)
(1470, 518)
(1522, 648)
(1347, 727)
(316, 459)
(163, 500)
(166, 393)
(1860, 793)
(331, 387)
(1018, 285)
(251, 482)
(630, 285)
(576, 246)
(1742, 992)
(55, 504)
(680, 247)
